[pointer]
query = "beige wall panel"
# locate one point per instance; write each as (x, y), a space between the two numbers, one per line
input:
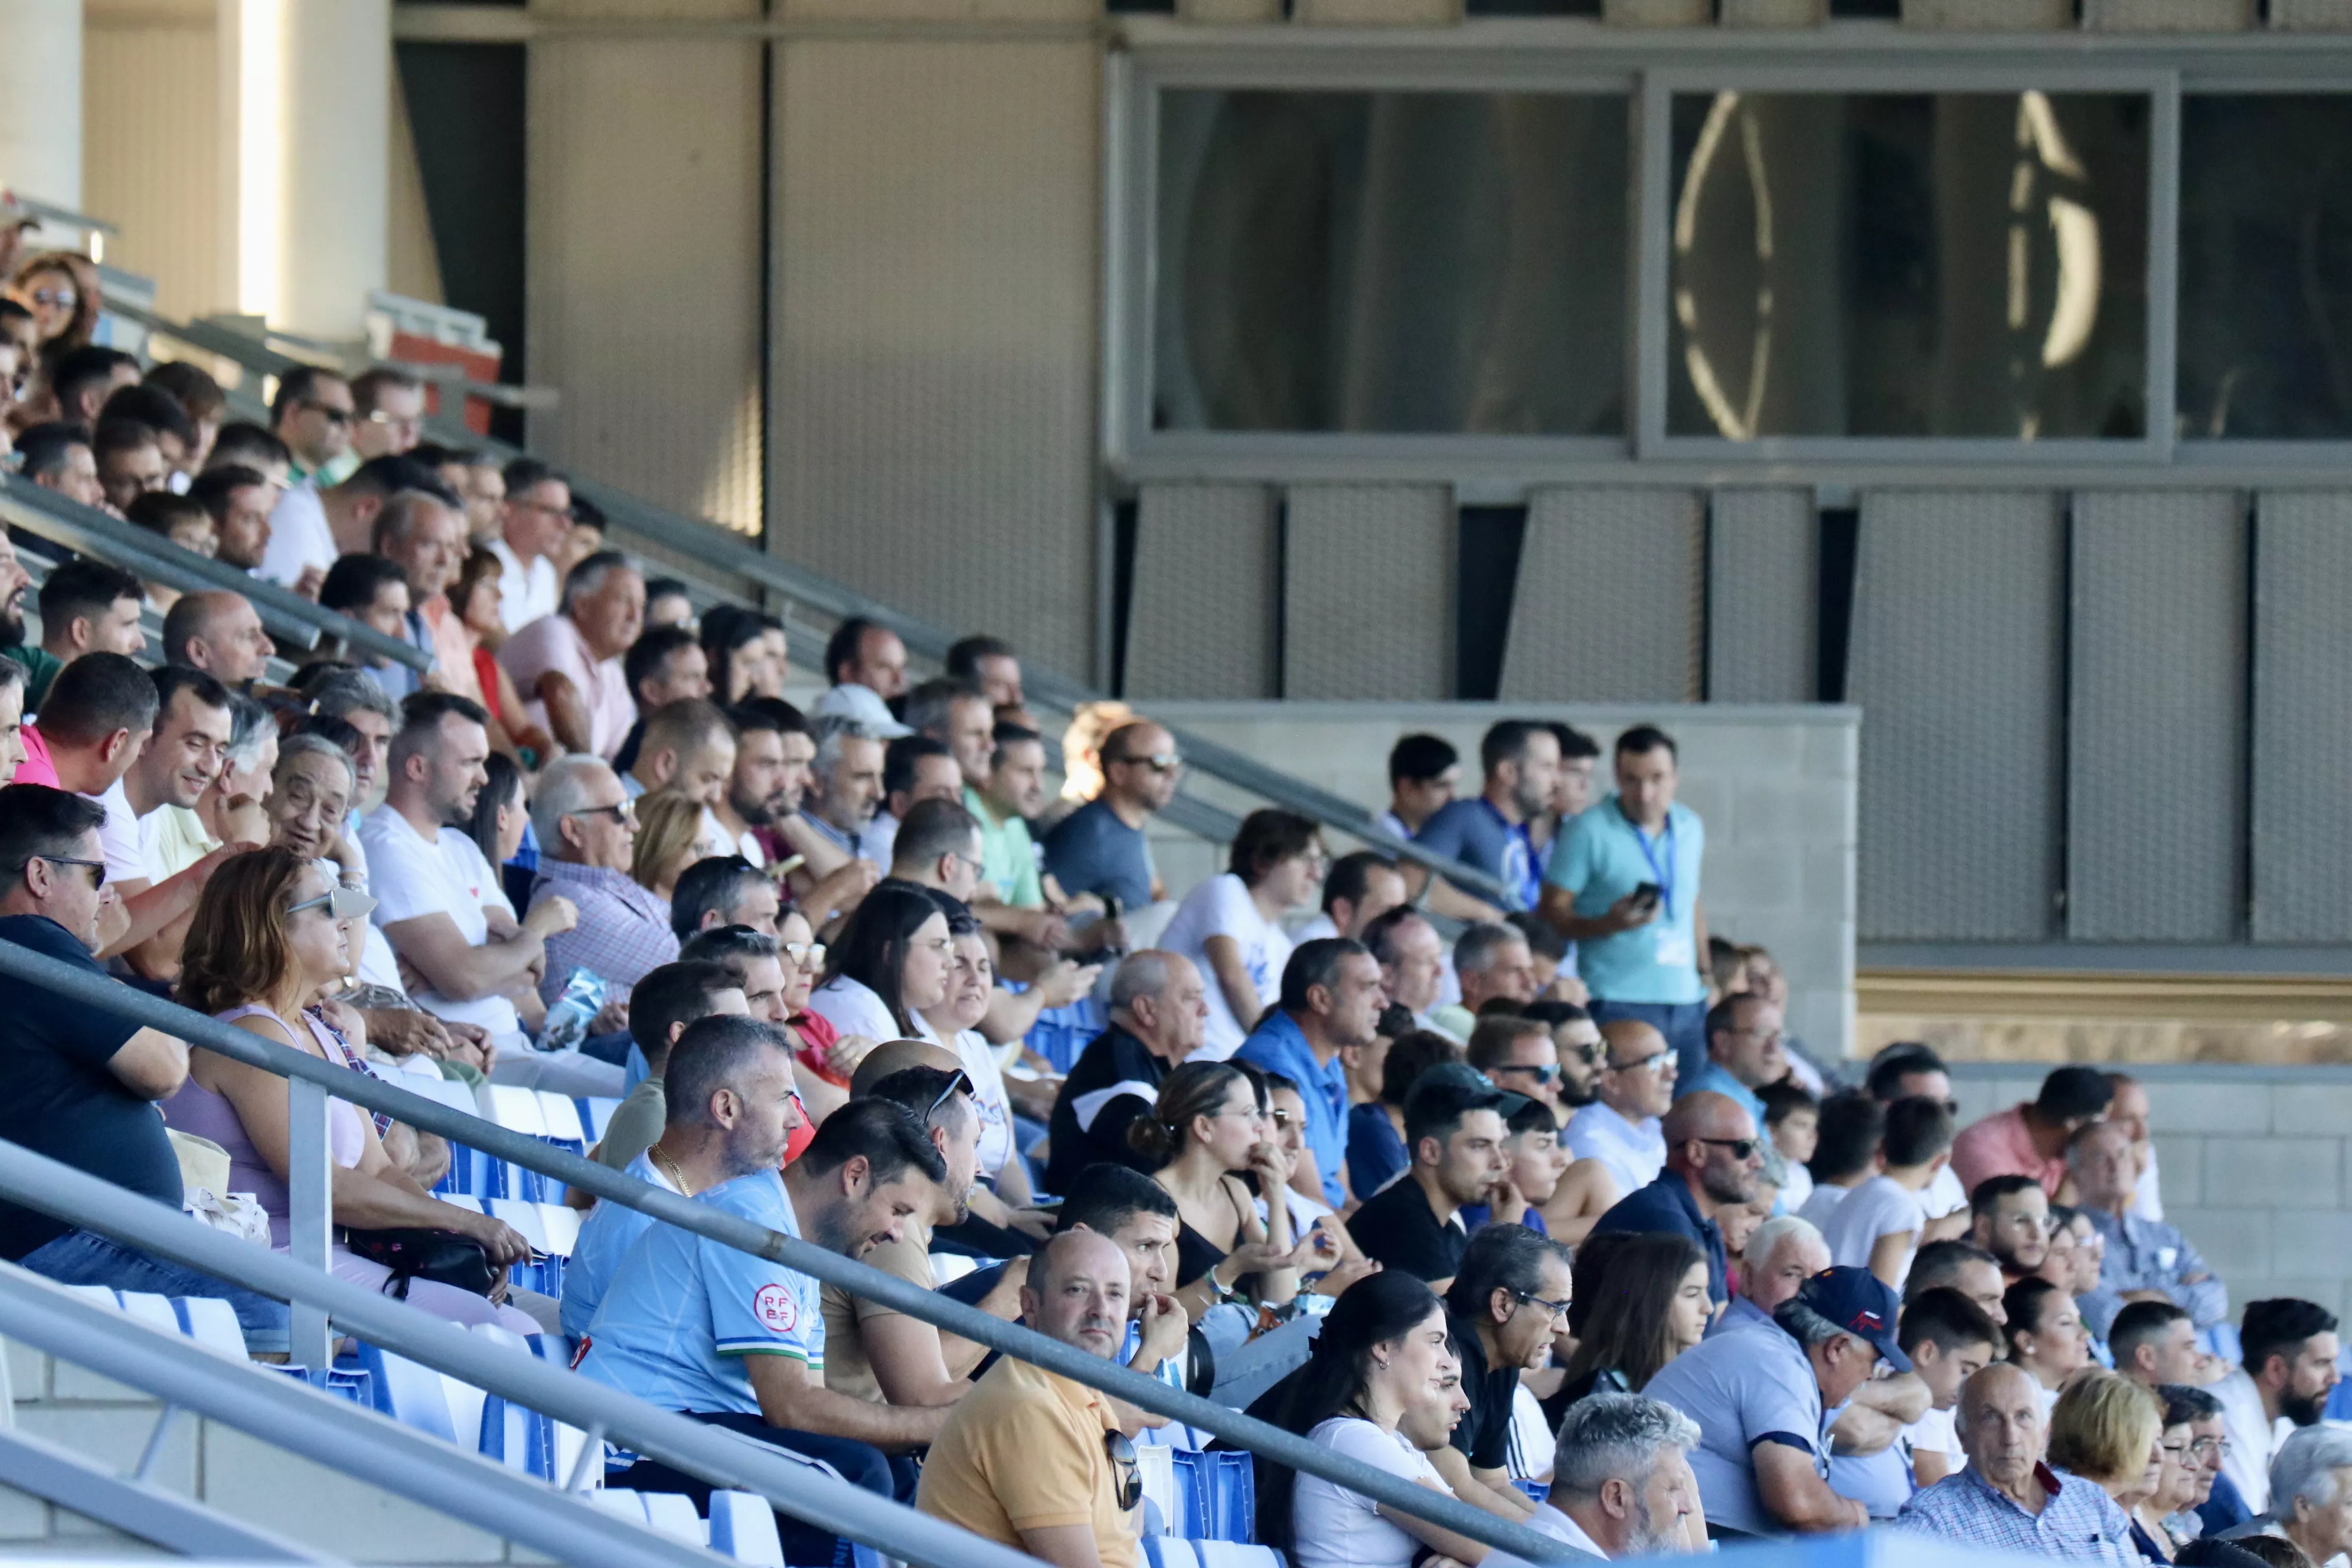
(1995, 15)
(2318, 15)
(643, 266)
(1658, 13)
(1378, 13)
(2169, 15)
(1368, 593)
(650, 10)
(1607, 604)
(935, 326)
(1206, 561)
(152, 147)
(942, 10)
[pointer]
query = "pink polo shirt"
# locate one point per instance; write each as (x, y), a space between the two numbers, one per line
(2000, 1145)
(37, 768)
(552, 642)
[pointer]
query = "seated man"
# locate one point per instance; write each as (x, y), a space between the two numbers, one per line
(686, 747)
(1031, 1459)
(1330, 1000)
(722, 890)
(184, 754)
(219, 632)
(587, 827)
(1744, 1053)
(738, 1341)
(1636, 1087)
(2009, 1217)
(2155, 1344)
(2029, 1139)
(2309, 1482)
(1158, 1007)
(1758, 1394)
(603, 608)
(1505, 1309)
(661, 1007)
(87, 606)
(873, 1350)
(1493, 961)
(2006, 1498)
(1454, 1131)
(438, 902)
(1620, 1481)
(1781, 1254)
(83, 1083)
(665, 665)
(915, 768)
(1714, 1153)
(2146, 1259)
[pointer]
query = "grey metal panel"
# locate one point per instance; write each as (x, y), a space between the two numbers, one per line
(1368, 593)
(1957, 643)
(1607, 607)
(1203, 610)
(1763, 560)
(2156, 798)
(2302, 718)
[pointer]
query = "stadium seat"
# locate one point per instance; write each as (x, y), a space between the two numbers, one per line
(629, 1505)
(673, 1514)
(153, 1311)
(561, 1117)
(412, 1394)
(1215, 1494)
(518, 1438)
(211, 1324)
(743, 1527)
(1170, 1552)
(596, 1115)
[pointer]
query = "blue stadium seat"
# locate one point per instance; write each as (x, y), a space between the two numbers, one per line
(1170, 1552)
(519, 1438)
(1061, 1033)
(1216, 1496)
(742, 1526)
(673, 1514)
(596, 1115)
(410, 1394)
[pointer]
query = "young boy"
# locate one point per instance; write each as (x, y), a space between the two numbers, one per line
(1845, 1153)
(1531, 1143)
(1793, 1119)
(1950, 1340)
(1877, 1225)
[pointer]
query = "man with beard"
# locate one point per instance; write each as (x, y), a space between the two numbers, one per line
(1620, 1480)
(761, 810)
(1330, 998)
(736, 1339)
(2289, 1371)
(1454, 1131)
(1576, 1041)
(847, 777)
(1713, 1155)
(184, 754)
(1518, 1053)
(15, 582)
(437, 898)
(688, 748)
(2009, 1217)
(238, 499)
(1521, 760)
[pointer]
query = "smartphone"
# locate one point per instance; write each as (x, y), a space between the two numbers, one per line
(1647, 893)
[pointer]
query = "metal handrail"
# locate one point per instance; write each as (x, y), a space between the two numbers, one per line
(400, 1458)
(927, 1306)
(284, 614)
(723, 552)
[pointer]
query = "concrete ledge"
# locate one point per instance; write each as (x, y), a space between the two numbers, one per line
(1378, 13)
(2169, 16)
(1775, 12)
(1225, 12)
(1989, 15)
(2312, 15)
(1658, 13)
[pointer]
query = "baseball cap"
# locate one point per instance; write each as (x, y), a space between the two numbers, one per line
(1863, 1304)
(860, 704)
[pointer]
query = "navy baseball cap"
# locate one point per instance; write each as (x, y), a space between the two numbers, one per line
(1863, 1304)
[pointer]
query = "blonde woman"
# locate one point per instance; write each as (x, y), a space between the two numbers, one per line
(2110, 1430)
(671, 835)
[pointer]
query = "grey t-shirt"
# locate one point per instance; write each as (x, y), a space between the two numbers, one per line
(636, 1125)
(1743, 1387)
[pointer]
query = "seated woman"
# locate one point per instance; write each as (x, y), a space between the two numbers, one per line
(269, 939)
(2110, 1430)
(1208, 1125)
(2045, 1334)
(2158, 1514)
(1231, 925)
(972, 984)
(1649, 1303)
(1380, 1355)
(671, 837)
(889, 967)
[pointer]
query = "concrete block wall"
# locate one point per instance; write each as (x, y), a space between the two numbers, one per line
(2253, 1161)
(1776, 787)
(219, 1465)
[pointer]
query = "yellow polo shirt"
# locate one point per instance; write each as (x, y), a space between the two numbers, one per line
(1023, 1450)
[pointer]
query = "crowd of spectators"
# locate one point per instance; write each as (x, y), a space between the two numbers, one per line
(1598, 1248)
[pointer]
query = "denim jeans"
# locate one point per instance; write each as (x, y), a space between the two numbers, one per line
(85, 1257)
(1684, 1024)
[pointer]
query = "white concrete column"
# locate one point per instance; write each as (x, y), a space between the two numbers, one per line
(334, 169)
(40, 100)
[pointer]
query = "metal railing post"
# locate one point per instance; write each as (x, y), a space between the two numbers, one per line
(310, 1211)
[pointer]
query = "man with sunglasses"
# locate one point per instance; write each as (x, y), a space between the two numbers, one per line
(312, 413)
(1577, 1043)
(1637, 1086)
(1519, 1055)
(1099, 849)
(83, 1083)
(587, 828)
(1714, 1158)
(1031, 1459)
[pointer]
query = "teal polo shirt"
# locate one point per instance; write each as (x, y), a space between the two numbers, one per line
(1602, 857)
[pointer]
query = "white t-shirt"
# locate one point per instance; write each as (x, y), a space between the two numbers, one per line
(879, 842)
(1880, 1207)
(1222, 907)
(117, 836)
(854, 1007)
(300, 537)
(525, 592)
(1796, 1189)
(1822, 1204)
(972, 1049)
(1945, 1195)
(411, 879)
(1937, 1432)
(1332, 1527)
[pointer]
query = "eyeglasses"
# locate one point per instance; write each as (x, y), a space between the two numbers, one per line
(1593, 1055)
(405, 421)
(2177, 1450)
(803, 954)
(341, 903)
(620, 811)
(66, 297)
(1741, 1148)
(1638, 1063)
(96, 882)
(1129, 1475)
(334, 415)
(959, 1084)
(1559, 1309)
(2206, 1448)
(1543, 1073)
(1158, 762)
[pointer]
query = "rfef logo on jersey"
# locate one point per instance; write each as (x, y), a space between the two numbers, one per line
(776, 1309)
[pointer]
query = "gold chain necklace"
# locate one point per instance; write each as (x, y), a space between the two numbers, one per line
(670, 1167)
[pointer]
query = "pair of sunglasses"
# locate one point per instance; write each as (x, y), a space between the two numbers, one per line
(341, 903)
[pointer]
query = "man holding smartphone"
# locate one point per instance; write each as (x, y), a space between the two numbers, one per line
(1623, 885)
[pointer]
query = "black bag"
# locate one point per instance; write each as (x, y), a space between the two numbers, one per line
(441, 1256)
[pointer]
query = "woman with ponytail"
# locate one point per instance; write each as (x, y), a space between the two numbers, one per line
(1376, 1388)
(1210, 1124)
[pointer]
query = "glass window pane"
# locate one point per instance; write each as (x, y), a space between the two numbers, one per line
(1400, 262)
(1909, 263)
(2266, 266)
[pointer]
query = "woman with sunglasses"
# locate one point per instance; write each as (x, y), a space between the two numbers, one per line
(1208, 1126)
(61, 290)
(1381, 1355)
(889, 967)
(270, 939)
(1646, 1302)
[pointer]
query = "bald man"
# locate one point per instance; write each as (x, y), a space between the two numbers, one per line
(1714, 1159)
(2006, 1498)
(1634, 1088)
(219, 632)
(1026, 1458)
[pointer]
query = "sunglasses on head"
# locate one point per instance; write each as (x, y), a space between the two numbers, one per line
(959, 1084)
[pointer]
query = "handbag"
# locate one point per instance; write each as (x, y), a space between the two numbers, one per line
(443, 1256)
